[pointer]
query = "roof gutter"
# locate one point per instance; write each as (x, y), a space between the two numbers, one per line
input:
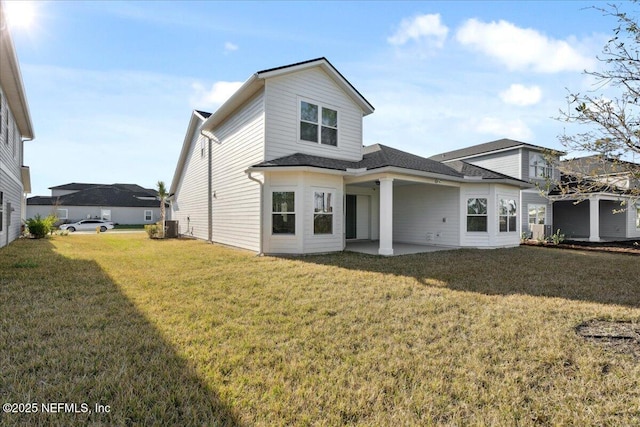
(209, 189)
(260, 217)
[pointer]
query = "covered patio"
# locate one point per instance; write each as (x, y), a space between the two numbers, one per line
(371, 247)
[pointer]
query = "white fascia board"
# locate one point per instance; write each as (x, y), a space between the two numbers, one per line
(184, 152)
(11, 81)
(239, 97)
(332, 72)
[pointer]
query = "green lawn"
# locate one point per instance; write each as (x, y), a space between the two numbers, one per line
(180, 332)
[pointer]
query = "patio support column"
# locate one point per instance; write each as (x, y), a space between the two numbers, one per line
(594, 219)
(386, 216)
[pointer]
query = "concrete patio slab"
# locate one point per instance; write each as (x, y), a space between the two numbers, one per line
(371, 248)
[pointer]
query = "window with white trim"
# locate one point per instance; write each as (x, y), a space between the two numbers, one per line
(283, 212)
(637, 215)
(539, 167)
(507, 215)
(477, 214)
(537, 214)
(318, 124)
(62, 213)
(148, 215)
(322, 212)
(1, 210)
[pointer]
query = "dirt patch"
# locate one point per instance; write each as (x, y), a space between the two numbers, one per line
(621, 337)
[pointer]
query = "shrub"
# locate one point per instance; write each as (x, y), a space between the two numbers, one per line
(153, 230)
(39, 227)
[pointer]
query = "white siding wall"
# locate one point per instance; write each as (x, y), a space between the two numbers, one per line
(510, 238)
(304, 184)
(190, 206)
(236, 202)
(282, 100)
(492, 238)
(10, 175)
(323, 242)
(418, 213)
(506, 162)
(283, 243)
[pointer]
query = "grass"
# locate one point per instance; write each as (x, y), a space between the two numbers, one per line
(179, 332)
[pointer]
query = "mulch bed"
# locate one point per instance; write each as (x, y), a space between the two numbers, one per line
(630, 247)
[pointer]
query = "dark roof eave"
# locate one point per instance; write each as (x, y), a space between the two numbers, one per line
(389, 169)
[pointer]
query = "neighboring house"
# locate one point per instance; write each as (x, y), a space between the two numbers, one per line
(523, 161)
(605, 206)
(280, 168)
(15, 128)
(120, 203)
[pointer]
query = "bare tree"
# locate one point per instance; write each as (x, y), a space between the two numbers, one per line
(611, 115)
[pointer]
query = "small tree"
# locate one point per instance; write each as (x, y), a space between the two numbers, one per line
(162, 195)
(39, 227)
(612, 117)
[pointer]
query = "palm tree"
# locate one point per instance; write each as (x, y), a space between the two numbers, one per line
(162, 195)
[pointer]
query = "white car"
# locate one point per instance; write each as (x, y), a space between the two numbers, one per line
(88, 224)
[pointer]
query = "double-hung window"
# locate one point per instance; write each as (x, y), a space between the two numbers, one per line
(539, 167)
(283, 212)
(148, 215)
(537, 214)
(318, 124)
(507, 214)
(477, 214)
(1, 210)
(322, 212)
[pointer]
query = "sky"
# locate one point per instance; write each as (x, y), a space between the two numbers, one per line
(111, 85)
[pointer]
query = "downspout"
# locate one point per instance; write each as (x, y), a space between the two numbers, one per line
(209, 189)
(248, 172)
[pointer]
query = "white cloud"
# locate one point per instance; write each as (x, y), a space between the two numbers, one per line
(422, 29)
(515, 129)
(521, 95)
(230, 47)
(215, 96)
(522, 48)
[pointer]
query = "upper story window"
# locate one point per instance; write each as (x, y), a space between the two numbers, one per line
(318, 124)
(539, 167)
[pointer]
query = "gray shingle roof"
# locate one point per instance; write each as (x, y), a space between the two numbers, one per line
(379, 156)
(487, 147)
(116, 195)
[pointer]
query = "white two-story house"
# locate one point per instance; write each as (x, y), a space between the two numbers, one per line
(280, 168)
(527, 162)
(15, 127)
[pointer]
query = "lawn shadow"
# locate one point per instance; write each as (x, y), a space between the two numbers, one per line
(603, 278)
(71, 340)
